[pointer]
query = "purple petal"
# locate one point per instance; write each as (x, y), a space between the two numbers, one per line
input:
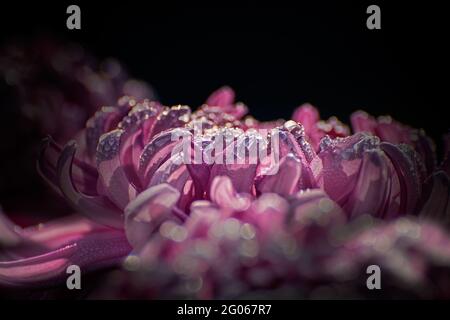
(222, 97)
(224, 194)
(407, 175)
(97, 208)
(90, 252)
(437, 205)
(286, 181)
(156, 152)
(363, 122)
(112, 171)
(148, 211)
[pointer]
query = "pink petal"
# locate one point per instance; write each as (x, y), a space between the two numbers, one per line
(437, 205)
(222, 97)
(9, 232)
(98, 208)
(370, 193)
(224, 194)
(104, 120)
(363, 122)
(90, 252)
(307, 115)
(286, 181)
(156, 152)
(171, 118)
(148, 211)
(112, 171)
(83, 174)
(407, 174)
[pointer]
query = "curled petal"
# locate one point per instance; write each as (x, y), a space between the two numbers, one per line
(224, 194)
(9, 232)
(445, 165)
(222, 97)
(385, 127)
(44, 237)
(286, 181)
(297, 141)
(293, 141)
(389, 130)
(94, 250)
(356, 174)
(315, 128)
(171, 118)
(307, 115)
(83, 174)
(341, 163)
(437, 205)
(407, 174)
(240, 175)
(172, 172)
(312, 219)
(156, 152)
(148, 211)
(111, 171)
(200, 176)
(268, 212)
(362, 122)
(98, 208)
(370, 193)
(104, 120)
(221, 108)
(426, 148)
(137, 129)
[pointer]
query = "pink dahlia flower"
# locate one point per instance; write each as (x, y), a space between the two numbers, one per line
(331, 203)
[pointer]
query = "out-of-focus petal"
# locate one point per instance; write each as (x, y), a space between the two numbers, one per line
(445, 165)
(362, 122)
(9, 232)
(315, 128)
(437, 205)
(222, 97)
(92, 251)
(225, 195)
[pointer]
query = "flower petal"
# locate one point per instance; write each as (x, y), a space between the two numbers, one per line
(83, 174)
(111, 170)
(286, 181)
(98, 208)
(437, 205)
(93, 251)
(156, 152)
(222, 97)
(224, 194)
(407, 174)
(148, 211)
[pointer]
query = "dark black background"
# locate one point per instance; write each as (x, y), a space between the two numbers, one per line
(275, 55)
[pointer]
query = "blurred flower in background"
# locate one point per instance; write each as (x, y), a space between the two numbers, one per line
(50, 87)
